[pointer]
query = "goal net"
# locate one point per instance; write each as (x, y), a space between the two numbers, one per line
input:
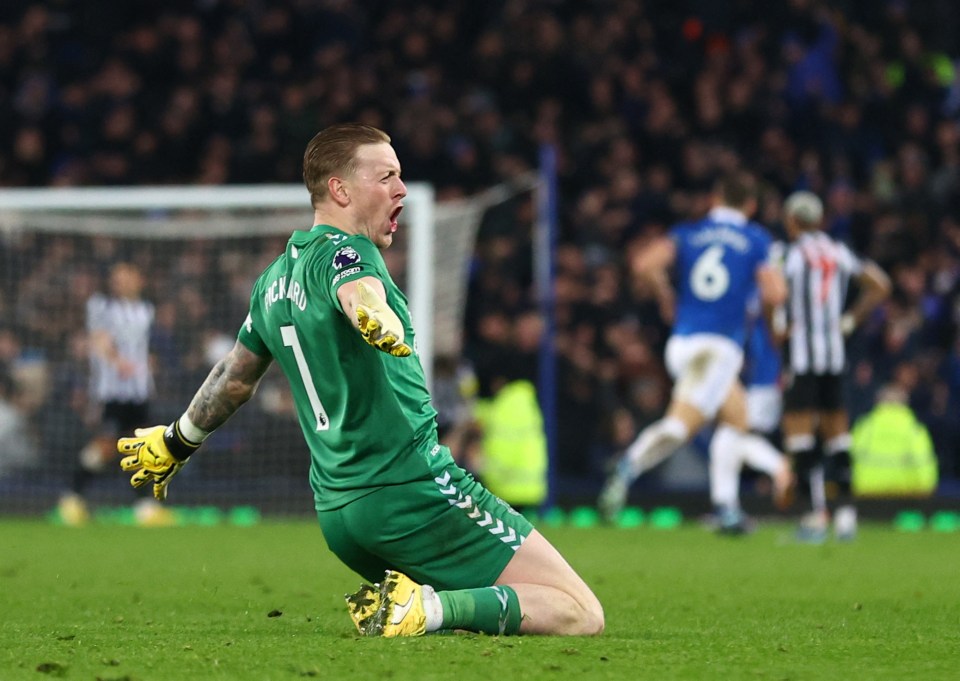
(200, 249)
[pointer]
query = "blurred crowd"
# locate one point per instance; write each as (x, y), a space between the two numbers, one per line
(646, 101)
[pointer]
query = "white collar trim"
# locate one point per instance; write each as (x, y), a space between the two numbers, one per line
(727, 214)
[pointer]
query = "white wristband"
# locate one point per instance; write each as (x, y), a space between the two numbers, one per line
(190, 431)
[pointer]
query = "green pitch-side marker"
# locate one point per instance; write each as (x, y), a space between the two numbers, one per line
(909, 521)
(629, 518)
(945, 521)
(243, 516)
(554, 517)
(584, 516)
(208, 516)
(666, 518)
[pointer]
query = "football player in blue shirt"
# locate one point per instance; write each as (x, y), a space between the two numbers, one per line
(720, 261)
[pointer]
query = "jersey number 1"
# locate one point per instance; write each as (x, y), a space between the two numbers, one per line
(291, 340)
(709, 277)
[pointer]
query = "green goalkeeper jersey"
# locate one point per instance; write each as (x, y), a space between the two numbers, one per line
(365, 414)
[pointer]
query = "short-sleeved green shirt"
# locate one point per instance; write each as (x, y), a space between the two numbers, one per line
(366, 415)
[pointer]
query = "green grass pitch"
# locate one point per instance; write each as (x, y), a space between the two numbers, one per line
(112, 602)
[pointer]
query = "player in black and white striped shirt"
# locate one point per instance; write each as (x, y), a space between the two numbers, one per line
(118, 328)
(818, 271)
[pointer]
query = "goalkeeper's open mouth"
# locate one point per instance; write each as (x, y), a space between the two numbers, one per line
(394, 216)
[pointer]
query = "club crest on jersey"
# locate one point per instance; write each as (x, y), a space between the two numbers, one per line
(345, 256)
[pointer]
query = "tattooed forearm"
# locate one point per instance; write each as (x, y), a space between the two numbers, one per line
(229, 385)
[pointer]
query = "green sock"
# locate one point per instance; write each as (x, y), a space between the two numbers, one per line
(491, 610)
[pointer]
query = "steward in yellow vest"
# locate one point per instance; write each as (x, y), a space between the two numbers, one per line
(891, 450)
(514, 447)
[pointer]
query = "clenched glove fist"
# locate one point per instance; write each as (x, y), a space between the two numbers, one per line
(150, 457)
(379, 325)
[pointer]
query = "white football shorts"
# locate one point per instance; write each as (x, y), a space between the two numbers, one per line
(704, 367)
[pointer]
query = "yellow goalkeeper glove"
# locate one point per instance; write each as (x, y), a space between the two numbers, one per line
(151, 456)
(379, 325)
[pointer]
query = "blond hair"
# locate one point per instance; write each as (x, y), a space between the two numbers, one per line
(333, 151)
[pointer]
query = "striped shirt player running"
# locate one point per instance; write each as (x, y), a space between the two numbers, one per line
(819, 270)
(391, 502)
(720, 262)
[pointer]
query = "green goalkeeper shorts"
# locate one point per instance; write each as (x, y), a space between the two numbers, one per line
(448, 532)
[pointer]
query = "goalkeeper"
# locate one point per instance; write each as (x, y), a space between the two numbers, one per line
(439, 551)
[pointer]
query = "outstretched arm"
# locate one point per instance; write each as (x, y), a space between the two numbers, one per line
(156, 454)
(231, 382)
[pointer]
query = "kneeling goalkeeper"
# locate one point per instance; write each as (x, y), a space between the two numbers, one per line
(439, 550)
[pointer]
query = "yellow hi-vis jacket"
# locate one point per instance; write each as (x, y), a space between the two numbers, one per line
(892, 454)
(514, 445)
